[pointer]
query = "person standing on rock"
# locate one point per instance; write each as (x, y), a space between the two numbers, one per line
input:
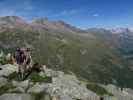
(23, 59)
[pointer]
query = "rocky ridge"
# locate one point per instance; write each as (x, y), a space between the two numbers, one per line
(49, 84)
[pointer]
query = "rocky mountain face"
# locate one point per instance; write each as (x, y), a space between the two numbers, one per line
(49, 84)
(11, 22)
(63, 47)
(58, 26)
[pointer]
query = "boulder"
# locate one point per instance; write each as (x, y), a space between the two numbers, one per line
(8, 69)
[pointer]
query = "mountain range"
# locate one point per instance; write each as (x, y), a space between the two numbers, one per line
(119, 38)
(96, 55)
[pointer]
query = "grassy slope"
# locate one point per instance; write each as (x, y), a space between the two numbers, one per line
(89, 58)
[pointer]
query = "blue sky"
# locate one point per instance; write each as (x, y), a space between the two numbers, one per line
(80, 13)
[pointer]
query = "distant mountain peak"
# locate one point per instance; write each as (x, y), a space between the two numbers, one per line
(119, 30)
(59, 26)
(115, 30)
(12, 19)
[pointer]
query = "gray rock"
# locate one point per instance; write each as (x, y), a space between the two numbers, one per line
(3, 81)
(69, 87)
(37, 88)
(14, 96)
(123, 94)
(110, 98)
(47, 97)
(23, 84)
(60, 73)
(65, 87)
(49, 72)
(52, 73)
(8, 69)
(65, 97)
(17, 90)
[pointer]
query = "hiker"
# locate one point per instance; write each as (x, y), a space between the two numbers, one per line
(23, 59)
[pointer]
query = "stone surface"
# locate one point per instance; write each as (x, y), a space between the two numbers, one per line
(3, 81)
(120, 93)
(52, 73)
(63, 87)
(47, 97)
(23, 84)
(8, 69)
(17, 90)
(37, 88)
(14, 96)
(68, 86)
